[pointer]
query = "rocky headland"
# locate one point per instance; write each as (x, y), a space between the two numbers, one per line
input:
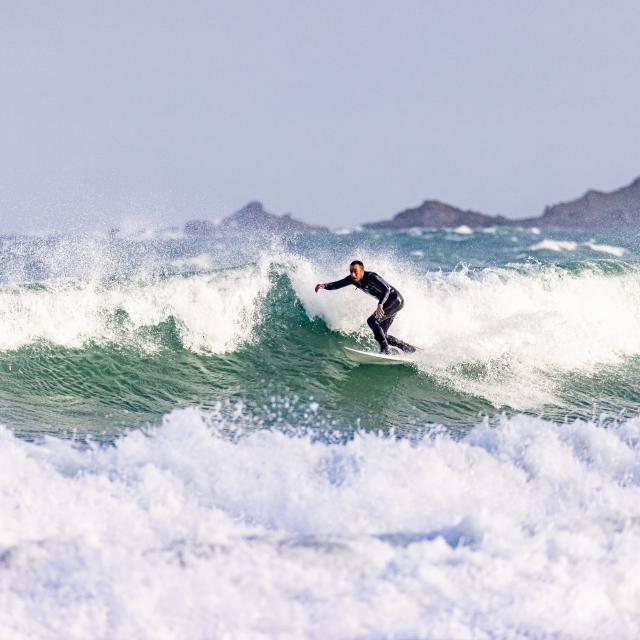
(599, 209)
(595, 209)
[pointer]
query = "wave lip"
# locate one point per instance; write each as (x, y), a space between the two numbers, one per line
(529, 529)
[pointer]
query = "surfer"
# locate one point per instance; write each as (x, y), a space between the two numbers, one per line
(390, 301)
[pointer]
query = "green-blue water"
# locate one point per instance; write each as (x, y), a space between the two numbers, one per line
(98, 335)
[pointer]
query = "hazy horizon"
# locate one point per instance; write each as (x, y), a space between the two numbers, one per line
(152, 114)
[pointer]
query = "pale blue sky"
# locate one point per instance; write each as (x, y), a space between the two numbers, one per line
(338, 112)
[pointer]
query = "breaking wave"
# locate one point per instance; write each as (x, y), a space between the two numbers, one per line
(505, 334)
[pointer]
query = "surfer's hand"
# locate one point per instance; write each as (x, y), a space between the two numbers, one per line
(319, 286)
(380, 312)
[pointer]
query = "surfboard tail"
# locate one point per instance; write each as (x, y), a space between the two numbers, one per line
(368, 357)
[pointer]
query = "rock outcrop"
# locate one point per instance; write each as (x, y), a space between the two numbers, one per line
(434, 214)
(595, 209)
(253, 218)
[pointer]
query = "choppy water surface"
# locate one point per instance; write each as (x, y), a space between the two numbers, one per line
(187, 452)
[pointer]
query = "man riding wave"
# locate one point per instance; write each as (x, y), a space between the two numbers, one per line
(390, 302)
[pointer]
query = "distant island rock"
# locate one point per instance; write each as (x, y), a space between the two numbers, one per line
(435, 214)
(251, 217)
(595, 209)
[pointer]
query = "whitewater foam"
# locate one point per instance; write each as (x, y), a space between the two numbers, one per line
(529, 529)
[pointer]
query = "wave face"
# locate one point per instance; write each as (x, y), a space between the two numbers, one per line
(205, 527)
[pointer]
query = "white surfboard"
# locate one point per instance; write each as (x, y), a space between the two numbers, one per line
(368, 357)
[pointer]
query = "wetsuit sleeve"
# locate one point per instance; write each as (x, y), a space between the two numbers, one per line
(338, 284)
(385, 288)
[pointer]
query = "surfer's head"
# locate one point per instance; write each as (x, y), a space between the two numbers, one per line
(356, 269)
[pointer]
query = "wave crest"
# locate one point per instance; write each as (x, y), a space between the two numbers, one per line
(213, 312)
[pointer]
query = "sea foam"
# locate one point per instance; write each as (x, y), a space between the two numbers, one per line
(197, 529)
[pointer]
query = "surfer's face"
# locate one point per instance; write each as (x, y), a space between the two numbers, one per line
(356, 271)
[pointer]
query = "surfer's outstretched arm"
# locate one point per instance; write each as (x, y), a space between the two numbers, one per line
(338, 284)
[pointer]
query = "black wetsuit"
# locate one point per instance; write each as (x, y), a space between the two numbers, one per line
(391, 301)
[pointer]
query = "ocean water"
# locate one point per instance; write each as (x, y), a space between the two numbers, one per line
(186, 452)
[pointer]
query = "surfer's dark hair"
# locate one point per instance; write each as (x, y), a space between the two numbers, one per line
(355, 262)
